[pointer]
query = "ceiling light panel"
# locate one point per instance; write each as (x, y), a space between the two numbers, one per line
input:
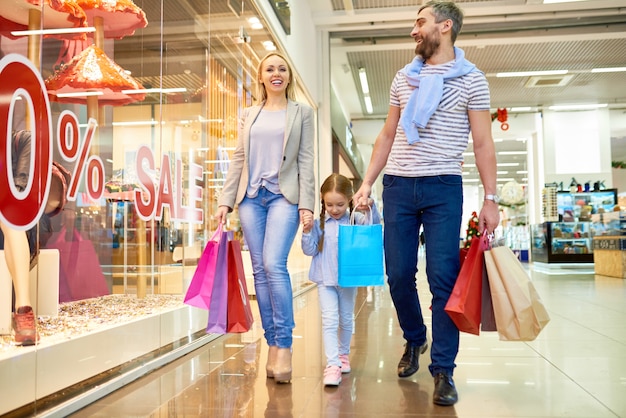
(549, 81)
(608, 70)
(338, 5)
(381, 67)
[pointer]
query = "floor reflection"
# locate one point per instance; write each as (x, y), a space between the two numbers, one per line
(576, 368)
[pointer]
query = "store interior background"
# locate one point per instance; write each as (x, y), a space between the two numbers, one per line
(502, 37)
(188, 42)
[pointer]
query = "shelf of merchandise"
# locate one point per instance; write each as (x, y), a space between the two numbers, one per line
(609, 244)
(562, 242)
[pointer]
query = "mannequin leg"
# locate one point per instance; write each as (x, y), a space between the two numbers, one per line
(17, 256)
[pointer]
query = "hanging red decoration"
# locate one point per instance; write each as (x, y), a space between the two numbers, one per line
(502, 118)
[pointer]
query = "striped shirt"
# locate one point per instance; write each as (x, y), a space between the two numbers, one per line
(445, 138)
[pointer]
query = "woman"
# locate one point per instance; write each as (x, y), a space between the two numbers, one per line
(271, 178)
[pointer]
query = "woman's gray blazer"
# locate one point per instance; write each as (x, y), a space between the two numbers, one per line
(296, 177)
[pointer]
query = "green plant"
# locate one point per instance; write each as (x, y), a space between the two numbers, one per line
(472, 230)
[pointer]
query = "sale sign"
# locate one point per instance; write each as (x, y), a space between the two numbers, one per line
(150, 199)
(20, 80)
(72, 151)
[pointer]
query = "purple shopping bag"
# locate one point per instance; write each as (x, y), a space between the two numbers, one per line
(201, 286)
(218, 309)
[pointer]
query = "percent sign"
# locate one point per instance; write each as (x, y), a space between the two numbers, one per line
(71, 150)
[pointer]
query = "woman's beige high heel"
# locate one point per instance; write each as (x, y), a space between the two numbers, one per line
(282, 368)
(271, 361)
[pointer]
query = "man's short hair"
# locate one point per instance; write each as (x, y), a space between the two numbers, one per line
(444, 10)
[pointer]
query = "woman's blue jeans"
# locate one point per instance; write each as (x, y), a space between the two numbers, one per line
(436, 203)
(269, 223)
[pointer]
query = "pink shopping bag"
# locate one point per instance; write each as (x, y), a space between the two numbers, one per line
(80, 273)
(201, 286)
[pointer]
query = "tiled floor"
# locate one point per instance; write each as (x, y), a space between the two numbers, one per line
(576, 367)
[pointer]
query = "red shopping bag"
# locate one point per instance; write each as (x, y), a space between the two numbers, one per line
(463, 255)
(201, 286)
(239, 315)
(219, 296)
(80, 273)
(464, 304)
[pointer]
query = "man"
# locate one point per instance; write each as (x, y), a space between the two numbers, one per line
(421, 149)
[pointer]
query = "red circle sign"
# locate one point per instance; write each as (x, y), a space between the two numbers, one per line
(20, 79)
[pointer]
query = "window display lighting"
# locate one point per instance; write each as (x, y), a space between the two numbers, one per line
(80, 94)
(156, 90)
(62, 31)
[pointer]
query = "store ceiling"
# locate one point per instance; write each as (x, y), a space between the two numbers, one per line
(498, 36)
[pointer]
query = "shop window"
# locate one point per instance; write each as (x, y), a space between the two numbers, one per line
(283, 13)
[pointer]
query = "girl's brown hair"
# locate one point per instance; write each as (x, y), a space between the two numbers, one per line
(290, 92)
(338, 184)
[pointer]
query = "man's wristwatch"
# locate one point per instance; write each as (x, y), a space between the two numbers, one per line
(494, 197)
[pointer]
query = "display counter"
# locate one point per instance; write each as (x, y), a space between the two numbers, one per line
(609, 244)
(562, 242)
(571, 240)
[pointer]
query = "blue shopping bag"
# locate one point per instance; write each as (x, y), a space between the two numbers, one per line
(361, 254)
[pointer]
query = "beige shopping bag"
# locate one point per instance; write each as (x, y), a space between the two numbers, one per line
(519, 311)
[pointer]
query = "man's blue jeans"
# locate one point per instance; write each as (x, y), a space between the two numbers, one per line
(269, 223)
(436, 203)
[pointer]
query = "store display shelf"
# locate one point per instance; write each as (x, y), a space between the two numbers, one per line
(74, 353)
(562, 242)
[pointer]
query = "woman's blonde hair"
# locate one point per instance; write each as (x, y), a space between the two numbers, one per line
(261, 92)
(334, 183)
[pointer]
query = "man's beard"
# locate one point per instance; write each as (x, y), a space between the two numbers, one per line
(428, 46)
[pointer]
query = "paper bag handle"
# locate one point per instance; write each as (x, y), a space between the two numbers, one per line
(369, 211)
(218, 232)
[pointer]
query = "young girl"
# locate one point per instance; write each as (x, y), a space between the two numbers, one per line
(336, 303)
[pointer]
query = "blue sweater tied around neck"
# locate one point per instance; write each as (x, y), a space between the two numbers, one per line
(428, 92)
